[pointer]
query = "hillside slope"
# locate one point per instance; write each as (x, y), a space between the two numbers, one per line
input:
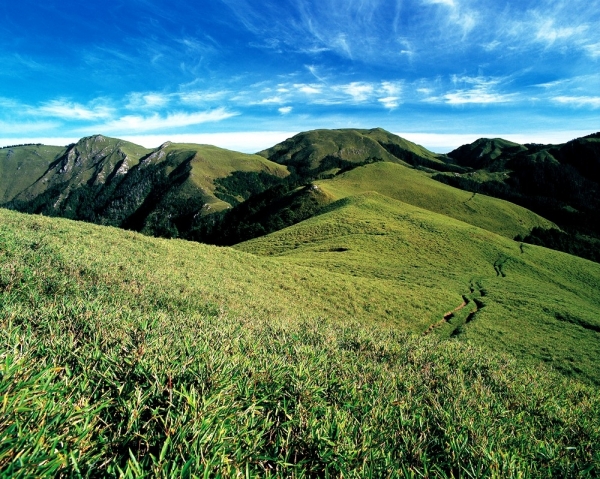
(559, 182)
(113, 182)
(418, 189)
(532, 302)
(125, 355)
(22, 166)
(326, 151)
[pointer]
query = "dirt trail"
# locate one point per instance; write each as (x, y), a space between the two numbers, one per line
(447, 318)
(449, 314)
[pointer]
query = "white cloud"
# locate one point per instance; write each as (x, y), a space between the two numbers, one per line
(476, 95)
(449, 3)
(390, 102)
(579, 101)
(201, 97)
(140, 101)
(593, 50)
(359, 91)
(137, 123)
(25, 127)
(491, 45)
(551, 84)
(274, 100)
(456, 15)
(391, 88)
(72, 111)
(285, 110)
(481, 90)
(549, 33)
(308, 89)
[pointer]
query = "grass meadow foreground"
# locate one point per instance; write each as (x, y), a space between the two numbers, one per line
(128, 356)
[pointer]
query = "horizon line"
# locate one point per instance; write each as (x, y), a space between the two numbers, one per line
(255, 141)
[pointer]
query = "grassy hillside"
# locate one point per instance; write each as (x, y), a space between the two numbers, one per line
(160, 192)
(289, 203)
(211, 163)
(559, 182)
(326, 151)
(128, 356)
(22, 166)
(418, 189)
(535, 303)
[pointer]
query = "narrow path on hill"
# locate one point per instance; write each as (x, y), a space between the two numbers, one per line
(475, 289)
(447, 316)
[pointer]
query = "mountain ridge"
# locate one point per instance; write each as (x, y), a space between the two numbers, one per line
(188, 190)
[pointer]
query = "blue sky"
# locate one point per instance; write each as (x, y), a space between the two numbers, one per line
(246, 74)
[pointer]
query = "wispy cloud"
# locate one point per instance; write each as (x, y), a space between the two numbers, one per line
(390, 102)
(358, 91)
(579, 101)
(143, 101)
(386, 93)
(549, 32)
(196, 97)
(475, 90)
(551, 84)
(462, 18)
(561, 26)
(29, 62)
(309, 89)
(68, 110)
(140, 124)
(26, 127)
(593, 49)
(449, 3)
(285, 110)
(272, 100)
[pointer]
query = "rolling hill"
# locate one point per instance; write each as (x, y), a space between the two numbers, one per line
(326, 151)
(379, 323)
(559, 182)
(113, 182)
(126, 355)
(532, 302)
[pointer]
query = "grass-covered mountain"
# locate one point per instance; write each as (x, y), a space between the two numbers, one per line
(325, 152)
(170, 190)
(188, 191)
(113, 182)
(379, 323)
(353, 161)
(292, 356)
(559, 182)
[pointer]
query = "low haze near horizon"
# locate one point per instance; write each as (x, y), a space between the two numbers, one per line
(245, 76)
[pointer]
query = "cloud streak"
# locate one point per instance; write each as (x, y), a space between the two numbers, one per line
(477, 90)
(579, 101)
(72, 111)
(140, 124)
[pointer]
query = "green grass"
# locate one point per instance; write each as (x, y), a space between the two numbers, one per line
(418, 189)
(211, 162)
(309, 148)
(22, 166)
(538, 304)
(128, 356)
